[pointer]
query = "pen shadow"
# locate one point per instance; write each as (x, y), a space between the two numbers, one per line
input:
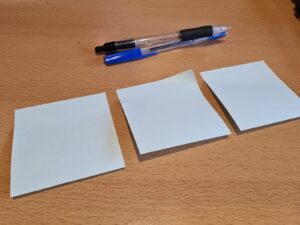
(235, 126)
(104, 53)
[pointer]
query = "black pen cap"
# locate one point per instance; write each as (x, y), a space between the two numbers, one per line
(115, 46)
(107, 47)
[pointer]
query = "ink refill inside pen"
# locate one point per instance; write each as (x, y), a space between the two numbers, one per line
(158, 40)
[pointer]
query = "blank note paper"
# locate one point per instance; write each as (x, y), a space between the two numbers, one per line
(253, 95)
(169, 113)
(62, 142)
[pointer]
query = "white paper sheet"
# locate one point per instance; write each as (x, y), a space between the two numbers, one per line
(169, 113)
(61, 142)
(253, 95)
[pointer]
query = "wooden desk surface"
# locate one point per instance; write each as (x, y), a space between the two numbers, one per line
(47, 54)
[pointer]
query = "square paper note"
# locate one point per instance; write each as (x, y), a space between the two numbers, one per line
(253, 95)
(61, 142)
(169, 113)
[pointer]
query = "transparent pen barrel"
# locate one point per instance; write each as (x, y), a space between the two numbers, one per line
(157, 40)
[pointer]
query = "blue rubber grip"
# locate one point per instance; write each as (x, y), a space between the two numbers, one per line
(126, 56)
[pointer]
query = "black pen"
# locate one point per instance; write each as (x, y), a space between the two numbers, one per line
(157, 40)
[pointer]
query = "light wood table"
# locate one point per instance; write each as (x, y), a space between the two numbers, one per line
(47, 55)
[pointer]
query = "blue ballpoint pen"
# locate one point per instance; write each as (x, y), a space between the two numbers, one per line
(140, 53)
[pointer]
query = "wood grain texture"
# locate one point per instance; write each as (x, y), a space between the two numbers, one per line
(47, 54)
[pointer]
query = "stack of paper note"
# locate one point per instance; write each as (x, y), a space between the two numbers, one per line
(62, 142)
(253, 95)
(169, 113)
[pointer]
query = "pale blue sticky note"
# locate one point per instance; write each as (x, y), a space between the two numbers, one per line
(169, 113)
(253, 95)
(62, 142)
